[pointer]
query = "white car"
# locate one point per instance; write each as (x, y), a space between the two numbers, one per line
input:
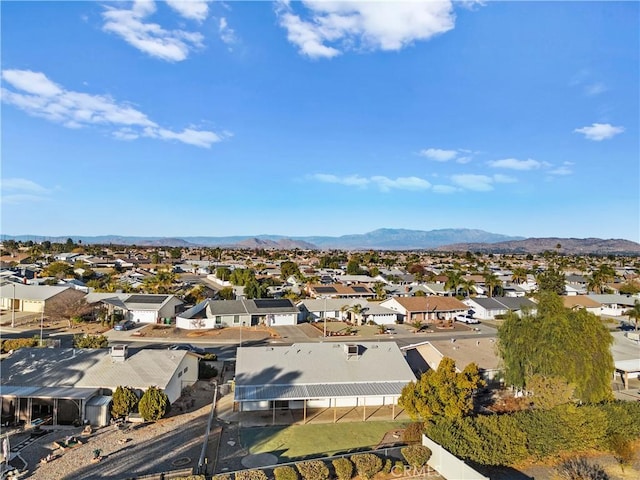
(466, 319)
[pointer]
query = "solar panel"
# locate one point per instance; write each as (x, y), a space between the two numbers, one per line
(147, 299)
(326, 290)
(360, 289)
(272, 303)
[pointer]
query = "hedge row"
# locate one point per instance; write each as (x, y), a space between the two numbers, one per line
(16, 343)
(366, 465)
(507, 439)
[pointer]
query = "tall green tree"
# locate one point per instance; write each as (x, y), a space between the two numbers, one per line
(551, 280)
(153, 405)
(442, 392)
(454, 281)
(124, 402)
(557, 341)
(634, 312)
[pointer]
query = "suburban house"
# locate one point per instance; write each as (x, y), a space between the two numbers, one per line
(338, 290)
(237, 313)
(614, 305)
(489, 308)
(54, 385)
(318, 309)
(428, 309)
(17, 297)
(137, 307)
(428, 355)
(320, 375)
(575, 302)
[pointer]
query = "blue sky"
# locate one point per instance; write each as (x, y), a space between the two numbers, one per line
(320, 118)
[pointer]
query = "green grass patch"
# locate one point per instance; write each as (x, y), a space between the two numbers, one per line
(300, 441)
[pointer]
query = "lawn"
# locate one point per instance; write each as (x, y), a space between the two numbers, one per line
(298, 441)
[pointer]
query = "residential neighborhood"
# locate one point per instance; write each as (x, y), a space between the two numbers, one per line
(306, 345)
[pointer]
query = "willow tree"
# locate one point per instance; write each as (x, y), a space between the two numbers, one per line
(557, 341)
(442, 392)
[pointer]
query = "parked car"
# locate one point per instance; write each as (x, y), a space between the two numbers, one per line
(189, 348)
(466, 319)
(124, 325)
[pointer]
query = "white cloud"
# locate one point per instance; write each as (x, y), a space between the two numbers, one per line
(191, 9)
(401, 183)
(515, 164)
(151, 38)
(439, 155)
(21, 190)
(384, 184)
(564, 170)
(444, 189)
(479, 183)
(499, 178)
(599, 131)
(35, 94)
(333, 27)
(227, 35)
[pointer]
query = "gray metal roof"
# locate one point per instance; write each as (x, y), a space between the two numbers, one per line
(47, 392)
(608, 299)
(311, 370)
(88, 368)
(100, 400)
(316, 391)
(30, 292)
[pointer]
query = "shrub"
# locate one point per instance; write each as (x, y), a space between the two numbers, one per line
(222, 476)
(285, 473)
(206, 372)
(313, 470)
(211, 357)
(413, 432)
(124, 402)
(623, 450)
(343, 468)
(367, 464)
(388, 465)
(16, 343)
(153, 405)
(90, 341)
(251, 475)
(416, 455)
(580, 469)
(398, 468)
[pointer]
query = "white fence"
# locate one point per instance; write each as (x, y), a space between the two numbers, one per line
(448, 465)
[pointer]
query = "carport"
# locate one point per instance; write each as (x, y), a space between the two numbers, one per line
(44, 405)
(625, 367)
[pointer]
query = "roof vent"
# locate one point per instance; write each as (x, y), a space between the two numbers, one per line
(352, 350)
(118, 353)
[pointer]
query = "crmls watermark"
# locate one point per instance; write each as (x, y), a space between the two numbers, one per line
(407, 471)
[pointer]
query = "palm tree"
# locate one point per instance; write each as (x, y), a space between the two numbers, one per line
(519, 275)
(357, 313)
(454, 279)
(491, 281)
(596, 282)
(634, 313)
(467, 285)
(378, 288)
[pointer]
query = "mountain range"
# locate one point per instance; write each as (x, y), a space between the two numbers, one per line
(451, 239)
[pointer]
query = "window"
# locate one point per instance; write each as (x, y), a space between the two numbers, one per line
(236, 319)
(185, 369)
(218, 319)
(179, 374)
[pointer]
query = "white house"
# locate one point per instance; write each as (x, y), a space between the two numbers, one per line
(237, 313)
(139, 308)
(320, 375)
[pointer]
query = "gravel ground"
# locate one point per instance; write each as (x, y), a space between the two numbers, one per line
(169, 444)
